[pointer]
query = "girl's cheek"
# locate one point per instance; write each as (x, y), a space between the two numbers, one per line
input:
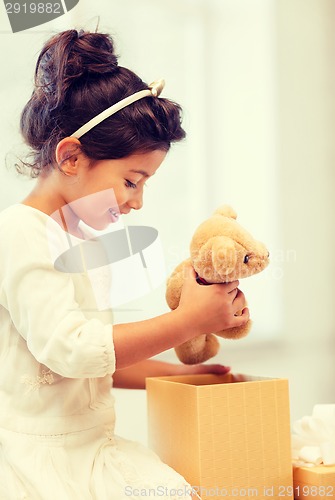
(121, 196)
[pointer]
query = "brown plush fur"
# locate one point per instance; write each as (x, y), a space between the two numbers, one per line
(218, 254)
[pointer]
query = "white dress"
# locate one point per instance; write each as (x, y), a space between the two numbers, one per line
(57, 417)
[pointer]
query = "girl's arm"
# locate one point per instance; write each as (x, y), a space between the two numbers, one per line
(202, 309)
(133, 377)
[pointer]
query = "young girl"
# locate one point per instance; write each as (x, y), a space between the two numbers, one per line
(58, 350)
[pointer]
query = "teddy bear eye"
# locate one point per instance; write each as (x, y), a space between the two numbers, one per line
(246, 259)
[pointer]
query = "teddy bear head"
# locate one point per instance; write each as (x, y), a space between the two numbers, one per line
(223, 251)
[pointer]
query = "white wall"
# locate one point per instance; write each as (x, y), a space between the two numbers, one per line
(256, 80)
(285, 97)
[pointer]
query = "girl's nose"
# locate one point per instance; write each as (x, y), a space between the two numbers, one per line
(136, 202)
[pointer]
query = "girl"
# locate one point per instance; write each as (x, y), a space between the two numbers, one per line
(57, 348)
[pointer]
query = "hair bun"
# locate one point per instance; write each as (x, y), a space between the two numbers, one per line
(68, 57)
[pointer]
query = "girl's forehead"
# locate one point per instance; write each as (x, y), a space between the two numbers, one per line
(141, 172)
(145, 164)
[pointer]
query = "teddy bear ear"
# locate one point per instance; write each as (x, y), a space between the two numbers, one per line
(227, 211)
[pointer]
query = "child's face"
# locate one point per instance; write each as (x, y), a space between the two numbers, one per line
(111, 187)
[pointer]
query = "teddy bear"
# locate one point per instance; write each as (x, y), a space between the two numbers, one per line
(221, 251)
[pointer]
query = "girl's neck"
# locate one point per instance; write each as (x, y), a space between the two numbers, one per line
(56, 208)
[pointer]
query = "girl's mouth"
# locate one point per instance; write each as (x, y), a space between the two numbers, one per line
(114, 214)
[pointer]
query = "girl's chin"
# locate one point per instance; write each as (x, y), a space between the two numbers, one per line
(101, 223)
(98, 225)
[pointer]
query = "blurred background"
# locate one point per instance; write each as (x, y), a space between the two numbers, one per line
(256, 80)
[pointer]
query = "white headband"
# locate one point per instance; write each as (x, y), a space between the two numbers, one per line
(154, 89)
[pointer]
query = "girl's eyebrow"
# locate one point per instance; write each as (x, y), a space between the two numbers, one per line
(142, 172)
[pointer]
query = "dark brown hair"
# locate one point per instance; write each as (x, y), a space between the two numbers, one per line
(76, 77)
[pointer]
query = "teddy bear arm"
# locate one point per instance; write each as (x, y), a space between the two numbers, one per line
(175, 284)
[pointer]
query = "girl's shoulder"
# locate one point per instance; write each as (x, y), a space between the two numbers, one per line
(19, 215)
(21, 223)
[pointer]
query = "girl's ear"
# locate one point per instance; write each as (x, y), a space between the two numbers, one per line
(67, 152)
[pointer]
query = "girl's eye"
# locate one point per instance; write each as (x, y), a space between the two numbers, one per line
(130, 184)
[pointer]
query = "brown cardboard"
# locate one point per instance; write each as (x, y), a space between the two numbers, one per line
(228, 435)
(314, 483)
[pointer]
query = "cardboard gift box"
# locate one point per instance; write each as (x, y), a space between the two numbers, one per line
(314, 483)
(228, 435)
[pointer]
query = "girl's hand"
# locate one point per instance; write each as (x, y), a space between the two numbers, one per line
(201, 369)
(133, 377)
(202, 310)
(212, 308)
